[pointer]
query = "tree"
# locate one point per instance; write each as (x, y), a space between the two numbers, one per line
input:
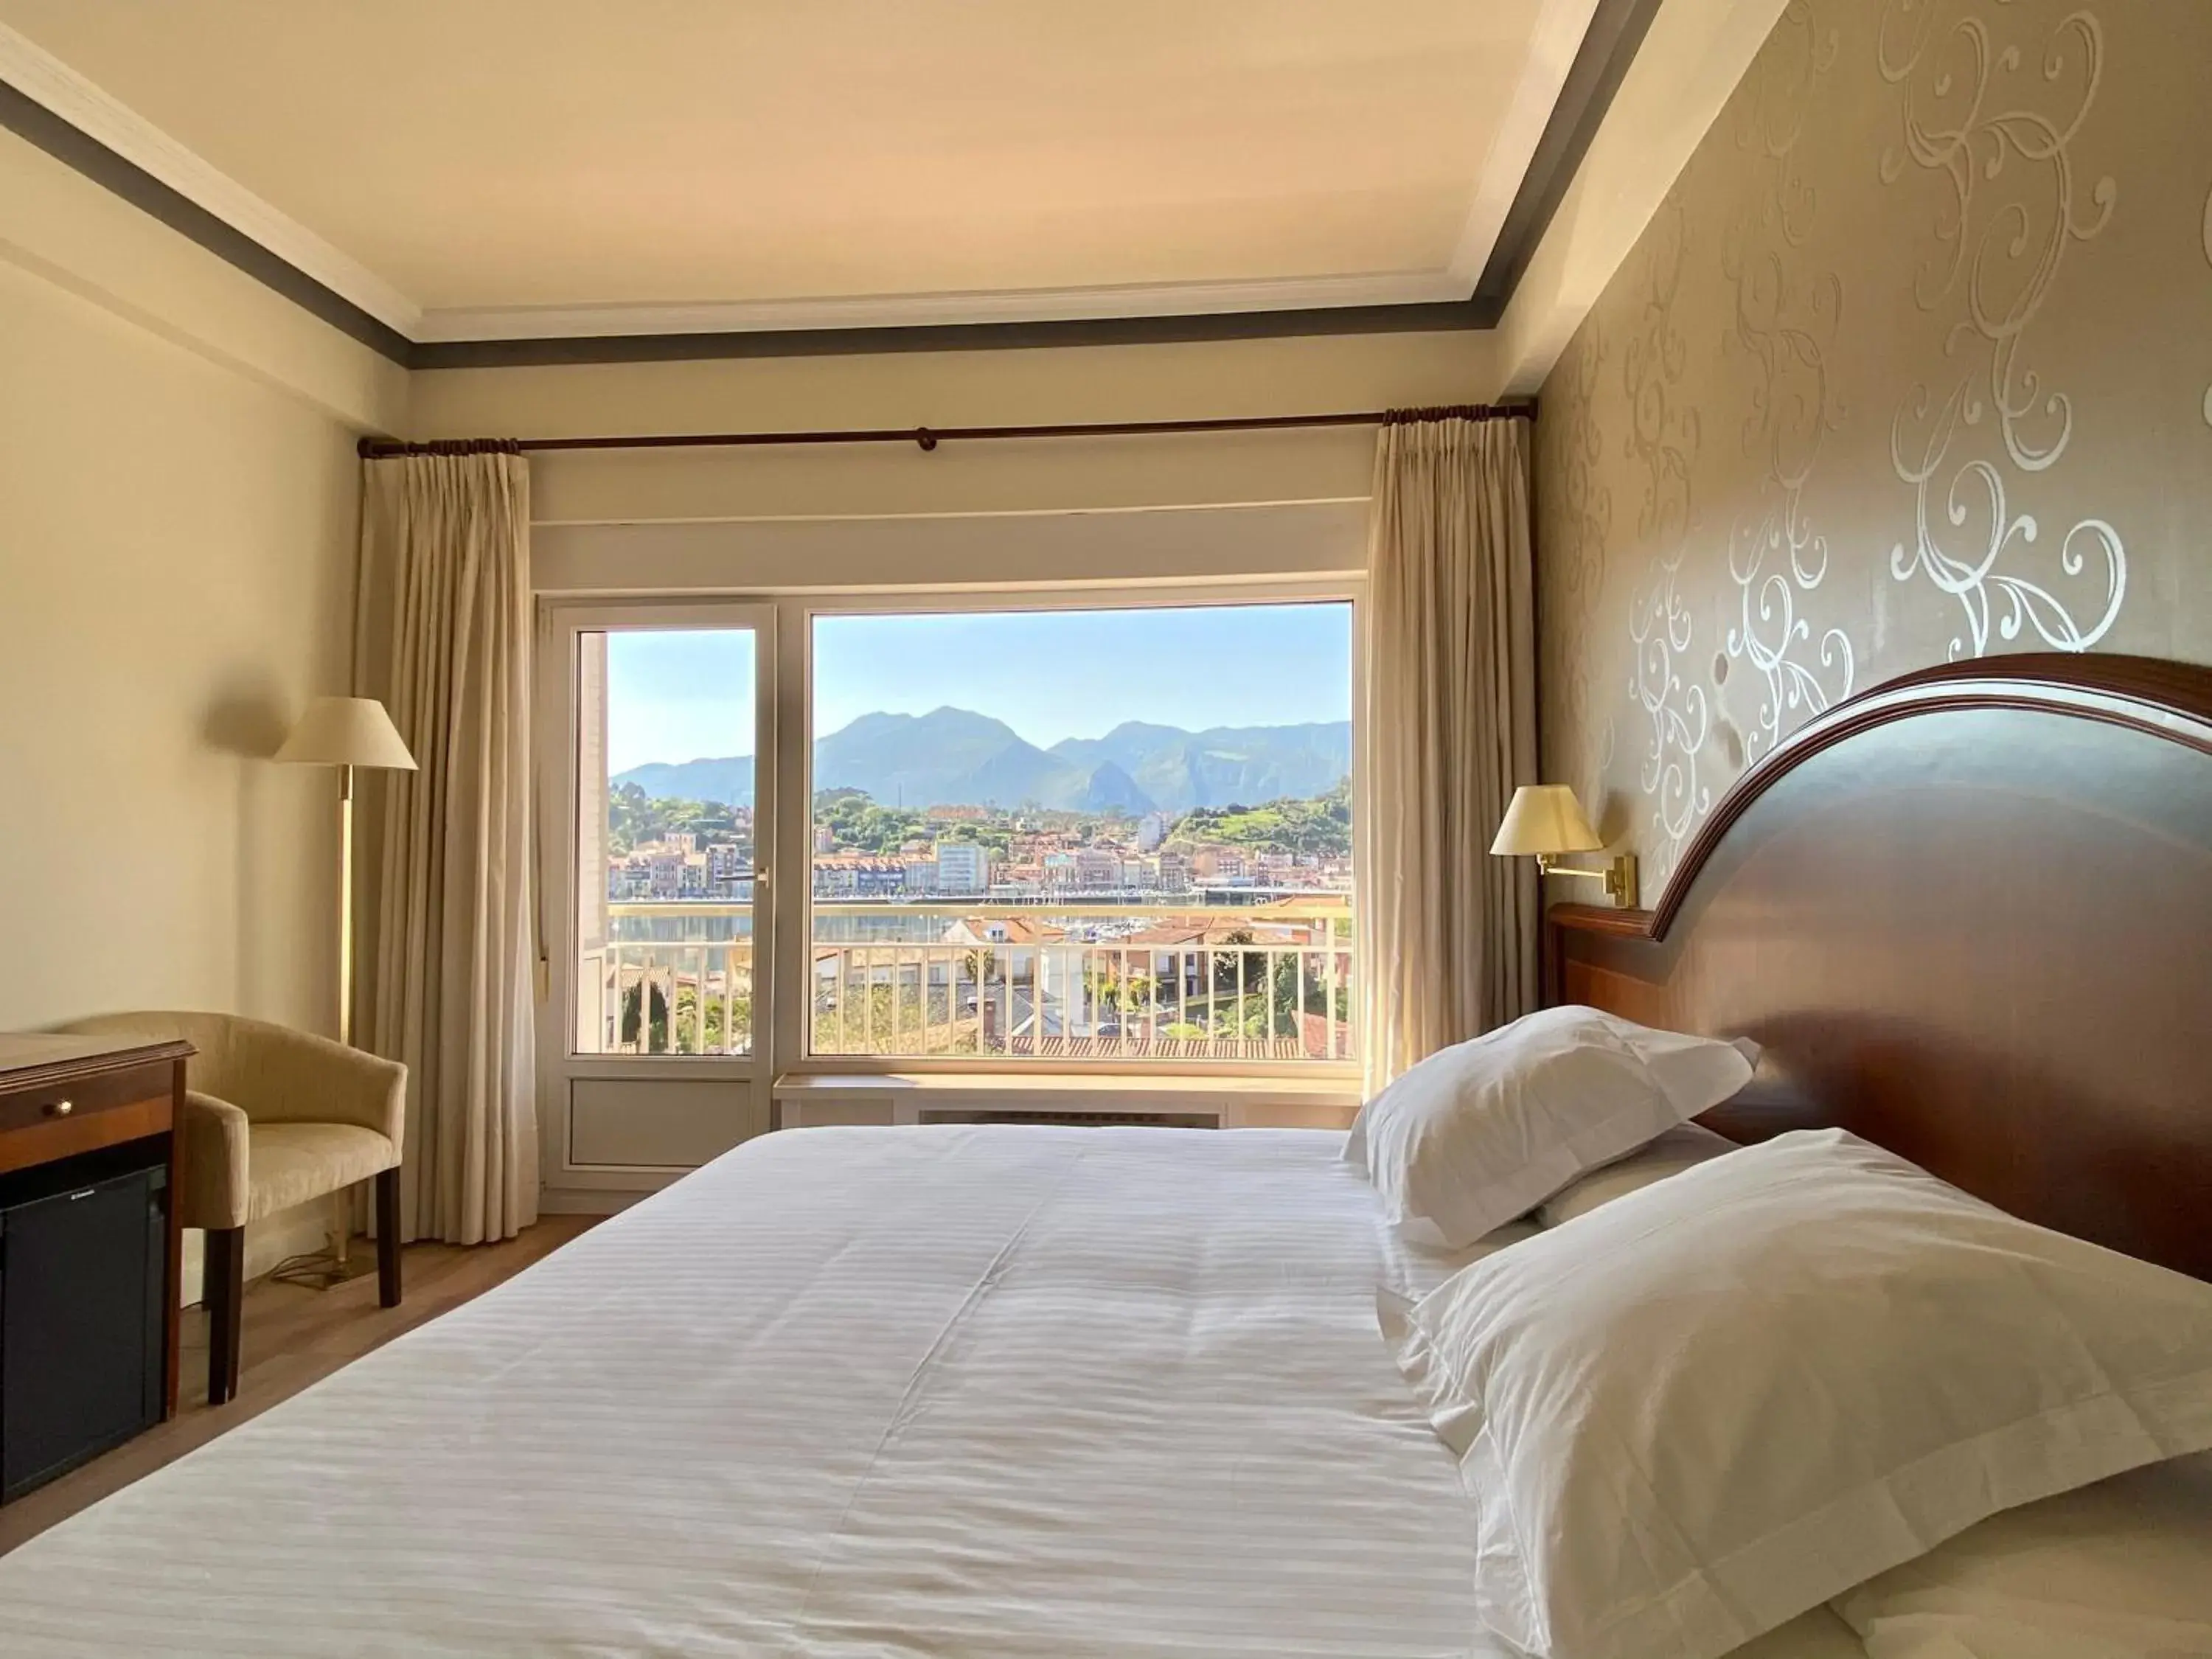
(635, 818)
(656, 1031)
(1321, 827)
(1128, 996)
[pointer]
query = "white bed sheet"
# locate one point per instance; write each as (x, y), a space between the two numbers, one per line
(934, 1391)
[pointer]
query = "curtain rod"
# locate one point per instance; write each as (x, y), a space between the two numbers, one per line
(928, 438)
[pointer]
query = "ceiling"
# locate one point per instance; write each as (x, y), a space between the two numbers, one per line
(535, 168)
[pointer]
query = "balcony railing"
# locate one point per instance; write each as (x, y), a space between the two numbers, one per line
(946, 980)
(666, 997)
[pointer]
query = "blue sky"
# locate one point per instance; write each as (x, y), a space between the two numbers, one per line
(680, 695)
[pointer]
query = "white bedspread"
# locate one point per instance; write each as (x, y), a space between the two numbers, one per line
(943, 1391)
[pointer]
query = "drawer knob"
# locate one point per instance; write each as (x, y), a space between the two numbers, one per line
(59, 1108)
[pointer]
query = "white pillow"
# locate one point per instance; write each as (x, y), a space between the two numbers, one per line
(2122, 1570)
(1682, 1147)
(1690, 1415)
(1481, 1133)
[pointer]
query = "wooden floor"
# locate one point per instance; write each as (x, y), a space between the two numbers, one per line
(294, 1336)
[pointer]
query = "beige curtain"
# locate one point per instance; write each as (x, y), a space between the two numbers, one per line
(1447, 933)
(445, 577)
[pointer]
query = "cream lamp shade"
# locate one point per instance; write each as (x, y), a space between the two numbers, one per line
(347, 731)
(1545, 818)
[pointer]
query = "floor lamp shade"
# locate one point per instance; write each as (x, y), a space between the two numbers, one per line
(346, 733)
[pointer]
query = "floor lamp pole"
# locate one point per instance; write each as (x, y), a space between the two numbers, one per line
(345, 905)
(341, 1236)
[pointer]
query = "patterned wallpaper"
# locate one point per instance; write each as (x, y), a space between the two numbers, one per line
(1915, 363)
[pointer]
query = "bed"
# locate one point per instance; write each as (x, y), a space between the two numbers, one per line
(953, 1390)
(1120, 1392)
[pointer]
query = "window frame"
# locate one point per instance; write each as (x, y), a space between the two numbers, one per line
(793, 896)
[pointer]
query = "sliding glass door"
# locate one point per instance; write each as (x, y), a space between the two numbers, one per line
(658, 803)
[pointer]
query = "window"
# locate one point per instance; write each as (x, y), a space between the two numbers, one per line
(1063, 834)
(665, 840)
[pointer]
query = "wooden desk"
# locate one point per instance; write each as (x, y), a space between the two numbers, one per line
(64, 1096)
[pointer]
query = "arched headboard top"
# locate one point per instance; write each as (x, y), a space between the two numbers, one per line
(2149, 693)
(1969, 913)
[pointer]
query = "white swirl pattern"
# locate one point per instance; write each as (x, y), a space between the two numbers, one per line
(2000, 263)
(1578, 522)
(1664, 438)
(1776, 558)
(1953, 371)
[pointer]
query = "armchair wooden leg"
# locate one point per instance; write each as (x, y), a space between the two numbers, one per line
(387, 1237)
(223, 1289)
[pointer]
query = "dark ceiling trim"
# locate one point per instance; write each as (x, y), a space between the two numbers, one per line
(35, 122)
(1616, 31)
(951, 337)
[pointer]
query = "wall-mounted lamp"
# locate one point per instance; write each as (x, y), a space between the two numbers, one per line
(1547, 820)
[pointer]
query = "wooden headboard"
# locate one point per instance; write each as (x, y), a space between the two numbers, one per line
(1969, 913)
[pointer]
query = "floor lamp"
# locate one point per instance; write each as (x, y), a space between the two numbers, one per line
(345, 733)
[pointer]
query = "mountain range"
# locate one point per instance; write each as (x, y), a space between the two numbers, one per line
(954, 757)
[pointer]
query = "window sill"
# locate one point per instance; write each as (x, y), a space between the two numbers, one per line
(810, 1099)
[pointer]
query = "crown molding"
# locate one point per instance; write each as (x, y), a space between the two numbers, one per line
(53, 85)
(1562, 26)
(1614, 36)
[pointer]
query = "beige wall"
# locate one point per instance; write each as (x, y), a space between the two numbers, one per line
(944, 389)
(176, 556)
(177, 524)
(176, 544)
(1915, 361)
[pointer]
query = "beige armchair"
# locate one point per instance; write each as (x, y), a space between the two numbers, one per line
(273, 1117)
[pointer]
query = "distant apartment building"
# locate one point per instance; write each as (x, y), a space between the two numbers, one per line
(664, 875)
(963, 867)
(1151, 830)
(1017, 880)
(1097, 870)
(837, 875)
(1175, 872)
(881, 878)
(1220, 865)
(856, 875)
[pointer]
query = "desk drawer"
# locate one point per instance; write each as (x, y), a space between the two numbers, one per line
(47, 1103)
(59, 1119)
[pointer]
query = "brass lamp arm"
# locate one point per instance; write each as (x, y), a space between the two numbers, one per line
(1618, 875)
